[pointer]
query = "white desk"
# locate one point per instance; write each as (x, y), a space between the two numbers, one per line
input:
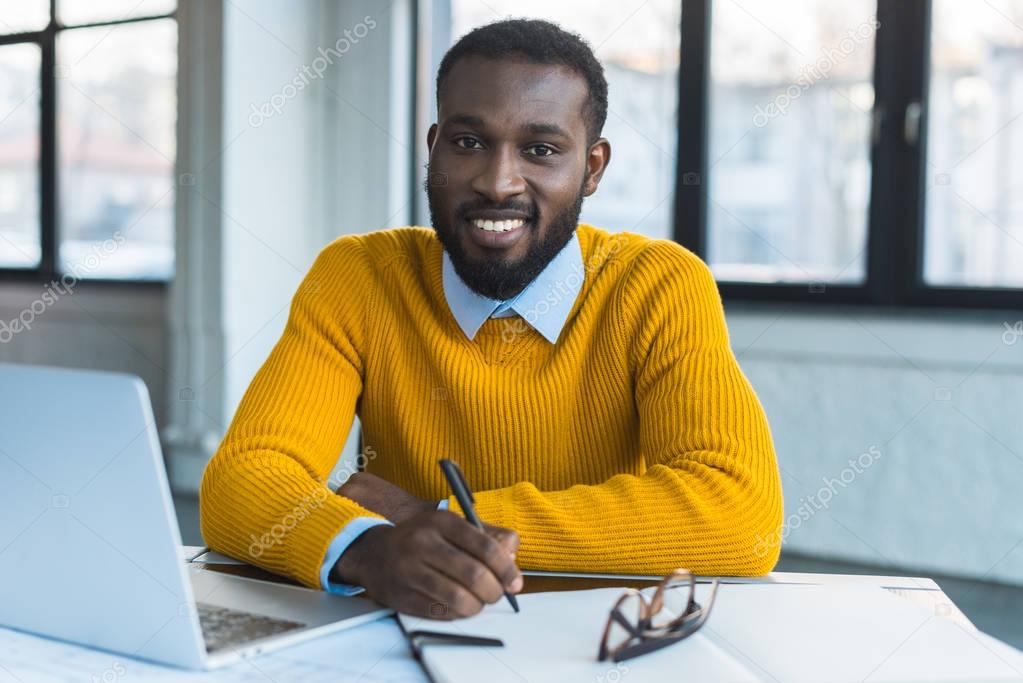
(373, 653)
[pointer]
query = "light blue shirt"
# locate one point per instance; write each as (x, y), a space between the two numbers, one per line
(544, 304)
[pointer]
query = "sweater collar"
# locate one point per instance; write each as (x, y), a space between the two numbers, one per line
(544, 303)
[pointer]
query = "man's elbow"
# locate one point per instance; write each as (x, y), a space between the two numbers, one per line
(213, 506)
(758, 534)
(765, 551)
(748, 528)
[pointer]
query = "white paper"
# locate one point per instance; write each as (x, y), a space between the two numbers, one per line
(783, 633)
(555, 638)
(823, 634)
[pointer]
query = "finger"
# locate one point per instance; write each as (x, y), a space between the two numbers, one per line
(485, 549)
(506, 537)
(450, 599)
(408, 600)
(468, 571)
(427, 605)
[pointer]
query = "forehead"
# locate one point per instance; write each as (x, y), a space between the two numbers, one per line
(506, 93)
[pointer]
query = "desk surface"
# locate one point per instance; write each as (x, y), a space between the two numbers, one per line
(920, 590)
(373, 653)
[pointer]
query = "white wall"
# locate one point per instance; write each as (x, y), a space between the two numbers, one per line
(938, 394)
(96, 326)
(313, 144)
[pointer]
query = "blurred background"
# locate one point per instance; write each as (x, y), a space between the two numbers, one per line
(849, 169)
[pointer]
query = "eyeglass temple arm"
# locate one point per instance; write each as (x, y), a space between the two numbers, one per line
(649, 645)
(421, 638)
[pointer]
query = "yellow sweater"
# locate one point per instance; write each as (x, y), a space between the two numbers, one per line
(635, 444)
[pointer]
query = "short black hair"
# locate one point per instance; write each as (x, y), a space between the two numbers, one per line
(539, 42)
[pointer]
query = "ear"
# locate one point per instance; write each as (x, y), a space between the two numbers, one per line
(597, 159)
(431, 135)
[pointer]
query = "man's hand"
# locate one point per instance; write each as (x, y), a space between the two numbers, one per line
(383, 497)
(434, 564)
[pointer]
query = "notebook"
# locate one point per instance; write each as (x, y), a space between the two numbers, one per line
(781, 633)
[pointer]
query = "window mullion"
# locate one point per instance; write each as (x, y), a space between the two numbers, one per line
(48, 156)
(882, 225)
(909, 144)
(893, 263)
(693, 94)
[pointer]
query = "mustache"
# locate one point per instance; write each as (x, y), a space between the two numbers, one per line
(468, 207)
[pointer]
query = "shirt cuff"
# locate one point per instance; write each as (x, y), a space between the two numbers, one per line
(345, 538)
(443, 504)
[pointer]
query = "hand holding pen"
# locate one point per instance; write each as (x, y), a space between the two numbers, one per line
(460, 489)
(431, 563)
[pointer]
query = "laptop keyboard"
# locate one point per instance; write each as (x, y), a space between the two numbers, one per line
(223, 627)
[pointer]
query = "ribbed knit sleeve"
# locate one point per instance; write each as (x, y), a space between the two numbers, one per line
(709, 499)
(264, 498)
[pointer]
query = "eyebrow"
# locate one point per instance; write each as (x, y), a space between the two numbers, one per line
(533, 127)
(546, 129)
(466, 120)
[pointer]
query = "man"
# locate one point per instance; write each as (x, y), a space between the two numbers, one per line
(582, 379)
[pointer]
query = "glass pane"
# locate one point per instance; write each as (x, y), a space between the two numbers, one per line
(81, 12)
(117, 101)
(19, 156)
(789, 140)
(637, 42)
(18, 16)
(974, 234)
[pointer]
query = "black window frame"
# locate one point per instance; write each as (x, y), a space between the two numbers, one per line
(895, 224)
(49, 191)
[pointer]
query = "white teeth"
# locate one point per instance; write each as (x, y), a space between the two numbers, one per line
(498, 226)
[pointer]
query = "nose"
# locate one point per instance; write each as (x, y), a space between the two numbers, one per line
(500, 178)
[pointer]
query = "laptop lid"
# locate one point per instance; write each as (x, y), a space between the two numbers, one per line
(88, 537)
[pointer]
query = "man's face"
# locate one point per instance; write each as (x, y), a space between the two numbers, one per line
(509, 167)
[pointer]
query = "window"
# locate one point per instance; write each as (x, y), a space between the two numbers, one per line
(19, 156)
(858, 152)
(87, 139)
(974, 217)
(855, 152)
(789, 140)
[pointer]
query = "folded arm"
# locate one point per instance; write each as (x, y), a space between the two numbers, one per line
(264, 496)
(710, 498)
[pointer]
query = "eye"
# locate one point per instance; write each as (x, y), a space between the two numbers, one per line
(541, 150)
(467, 142)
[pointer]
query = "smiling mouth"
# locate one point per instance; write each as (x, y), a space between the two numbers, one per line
(498, 226)
(490, 234)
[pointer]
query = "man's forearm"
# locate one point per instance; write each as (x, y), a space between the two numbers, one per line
(263, 498)
(698, 517)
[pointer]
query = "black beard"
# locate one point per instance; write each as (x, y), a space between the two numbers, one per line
(494, 278)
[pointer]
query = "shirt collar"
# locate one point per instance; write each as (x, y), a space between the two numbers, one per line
(544, 304)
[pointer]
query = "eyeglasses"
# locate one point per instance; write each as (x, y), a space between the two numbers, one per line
(419, 638)
(633, 627)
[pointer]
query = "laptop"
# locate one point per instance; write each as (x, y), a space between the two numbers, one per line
(89, 543)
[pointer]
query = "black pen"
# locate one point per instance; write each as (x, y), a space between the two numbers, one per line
(464, 497)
